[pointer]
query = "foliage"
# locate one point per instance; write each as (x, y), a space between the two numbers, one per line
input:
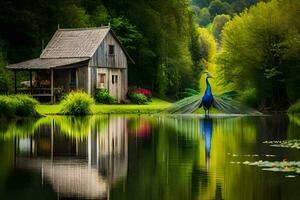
(260, 49)
(204, 17)
(17, 105)
(138, 98)
(6, 106)
(5, 76)
(103, 96)
(147, 29)
(218, 24)
(217, 7)
(248, 97)
(140, 90)
(127, 32)
(208, 45)
(77, 103)
(24, 105)
(295, 108)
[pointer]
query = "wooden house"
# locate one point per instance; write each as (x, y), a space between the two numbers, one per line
(83, 58)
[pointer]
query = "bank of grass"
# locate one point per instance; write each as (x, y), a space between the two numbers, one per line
(152, 107)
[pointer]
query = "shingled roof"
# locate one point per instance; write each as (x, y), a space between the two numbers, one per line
(75, 43)
(69, 46)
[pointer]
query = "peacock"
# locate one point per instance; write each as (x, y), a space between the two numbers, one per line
(222, 103)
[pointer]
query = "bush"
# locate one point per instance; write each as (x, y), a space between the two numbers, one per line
(77, 103)
(139, 95)
(295, 108)
(138, 98)
(17, 105)
(7, 109)
(103, 96)
(24, 105)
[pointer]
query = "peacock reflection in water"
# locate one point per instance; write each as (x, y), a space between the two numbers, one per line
(206, 127)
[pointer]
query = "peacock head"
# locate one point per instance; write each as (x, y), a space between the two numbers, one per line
(208, 75)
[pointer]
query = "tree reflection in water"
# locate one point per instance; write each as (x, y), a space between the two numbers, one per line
(144, 157)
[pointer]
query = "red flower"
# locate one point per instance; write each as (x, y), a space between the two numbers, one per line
(143, 91)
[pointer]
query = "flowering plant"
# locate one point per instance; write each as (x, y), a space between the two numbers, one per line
(143, 91)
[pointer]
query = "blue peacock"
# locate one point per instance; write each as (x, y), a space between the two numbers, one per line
(222, 103)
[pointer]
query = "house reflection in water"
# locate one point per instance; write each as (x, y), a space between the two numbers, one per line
(83, 166)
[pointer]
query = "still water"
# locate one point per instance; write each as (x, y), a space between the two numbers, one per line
(146, 157)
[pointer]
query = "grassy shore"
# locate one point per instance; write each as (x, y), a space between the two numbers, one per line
(153, 107)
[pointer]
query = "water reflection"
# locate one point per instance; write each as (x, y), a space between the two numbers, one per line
(79, 157)
(206, 127)
(144, 157)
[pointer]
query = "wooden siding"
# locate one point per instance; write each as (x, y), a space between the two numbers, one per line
(82, 74)
(101, 58)
(109, 65)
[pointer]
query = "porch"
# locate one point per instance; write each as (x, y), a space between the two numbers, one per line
(47, 79)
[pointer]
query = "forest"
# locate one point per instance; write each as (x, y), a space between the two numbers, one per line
(250, 46)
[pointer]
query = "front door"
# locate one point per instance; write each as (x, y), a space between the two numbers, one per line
(114, 90)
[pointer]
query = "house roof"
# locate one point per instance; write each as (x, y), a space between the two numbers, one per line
(75, 43)
(46, 63)
(69, 46)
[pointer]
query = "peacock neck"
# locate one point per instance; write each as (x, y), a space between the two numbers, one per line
(208, 88)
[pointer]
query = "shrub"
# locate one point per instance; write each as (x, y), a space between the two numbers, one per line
(143, 91)
(77, 103)
(295, 108)
(138, 98)
(24, 105)
(6, 107)
(17, 105)
(103, 96)
(137, 95)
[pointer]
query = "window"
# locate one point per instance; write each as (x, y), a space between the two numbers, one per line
(101, 80)
(73, 79)
(111, 49)
(114, 79)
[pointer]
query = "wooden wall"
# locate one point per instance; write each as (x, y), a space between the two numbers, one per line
(101, 57)
(82, 74)
(101, 62)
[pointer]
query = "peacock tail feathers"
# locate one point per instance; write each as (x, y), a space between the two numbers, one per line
(186, 105)
(222, 102)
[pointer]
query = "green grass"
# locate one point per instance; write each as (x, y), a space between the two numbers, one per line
(152, 107)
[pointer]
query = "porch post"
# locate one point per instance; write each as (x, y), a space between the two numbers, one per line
(15, 76)
(52, 97)
(30, 76)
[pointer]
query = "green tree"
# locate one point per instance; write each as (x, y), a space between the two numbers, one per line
(217, 7)
(218, 24)
(259, 50)
(204, 17)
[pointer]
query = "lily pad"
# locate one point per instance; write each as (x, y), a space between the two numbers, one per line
(277, 166)
(294, 144)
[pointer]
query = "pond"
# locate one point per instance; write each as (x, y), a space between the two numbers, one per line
(149, 157)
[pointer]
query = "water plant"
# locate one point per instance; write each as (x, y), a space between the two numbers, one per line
(294, 144)
(77, 103)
